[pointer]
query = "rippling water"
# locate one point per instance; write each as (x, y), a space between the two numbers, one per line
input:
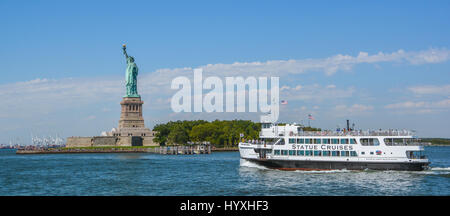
(221, 173)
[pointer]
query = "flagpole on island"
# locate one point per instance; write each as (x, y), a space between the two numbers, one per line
(309, 120)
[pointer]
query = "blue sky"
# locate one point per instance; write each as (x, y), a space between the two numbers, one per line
(62, 65)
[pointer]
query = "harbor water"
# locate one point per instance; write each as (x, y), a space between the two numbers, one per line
(219, 173)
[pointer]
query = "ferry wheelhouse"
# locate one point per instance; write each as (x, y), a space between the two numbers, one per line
(288, 147)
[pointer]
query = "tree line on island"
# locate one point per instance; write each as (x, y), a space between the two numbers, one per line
(220, 133)
(436, 141)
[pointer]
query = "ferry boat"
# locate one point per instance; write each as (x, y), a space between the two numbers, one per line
(288, 147)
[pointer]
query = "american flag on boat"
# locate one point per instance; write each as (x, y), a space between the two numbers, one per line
(310, 117)
(284, 102)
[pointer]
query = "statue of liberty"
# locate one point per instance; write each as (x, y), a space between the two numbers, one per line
(131, 75)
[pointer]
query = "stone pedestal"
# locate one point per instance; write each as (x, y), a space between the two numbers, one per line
(131, 123)
(131, 114)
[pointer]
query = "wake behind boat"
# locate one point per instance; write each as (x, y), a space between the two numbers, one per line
(288, 147)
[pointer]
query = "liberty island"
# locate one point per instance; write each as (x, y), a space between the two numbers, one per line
(131, 133)
(131, 130)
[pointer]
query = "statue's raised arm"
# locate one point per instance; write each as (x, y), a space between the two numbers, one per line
(124, 47)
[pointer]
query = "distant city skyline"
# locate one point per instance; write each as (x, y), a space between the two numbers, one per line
(380, 64)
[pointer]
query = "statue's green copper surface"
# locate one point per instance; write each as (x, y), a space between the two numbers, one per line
(131, 75)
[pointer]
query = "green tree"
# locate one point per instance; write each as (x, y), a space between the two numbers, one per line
(218, 133)
(177, 135)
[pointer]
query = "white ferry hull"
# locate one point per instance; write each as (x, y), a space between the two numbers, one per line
(334, 165)
(288, 147)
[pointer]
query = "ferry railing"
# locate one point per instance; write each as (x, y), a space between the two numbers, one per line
(407, 144)
(355, 133)
(262, 143)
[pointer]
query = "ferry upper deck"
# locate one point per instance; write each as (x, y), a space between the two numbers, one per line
(272, 131)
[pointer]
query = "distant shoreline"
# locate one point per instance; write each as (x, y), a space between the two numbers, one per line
(119, 149)
(225, 149)
(125, 150)
(448, 145)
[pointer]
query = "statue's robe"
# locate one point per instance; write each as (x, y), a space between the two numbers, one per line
(131, 78)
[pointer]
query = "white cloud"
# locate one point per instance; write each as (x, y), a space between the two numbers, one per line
(428, 56)
(328, 65)
(431, 90)
(420, 107)
(42, 95)
(355, 109)
(316, 92)
(442, 104)
(284, 88)
(91, 117)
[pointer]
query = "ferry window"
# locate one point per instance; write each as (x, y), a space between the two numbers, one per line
(291, 152)
(352, 141)
(335, 153)
(300, 141)
(353, 154)
(317, 141)
(284, 152)
(369, 142)
(335, 141)
(415, 155)
(363, 153)
(300, 152)
(326, 153)
(344, 141)
(326, 141)
(307, 141)
(397, 141)
(281, 142)
(371, 153)
(388, 141)
(376, 142)
(364, 142)
(409, 141)
(344, 153)
(277, 152)
(317, 153)
(291, 141)
(400, 141)
(308, 153)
